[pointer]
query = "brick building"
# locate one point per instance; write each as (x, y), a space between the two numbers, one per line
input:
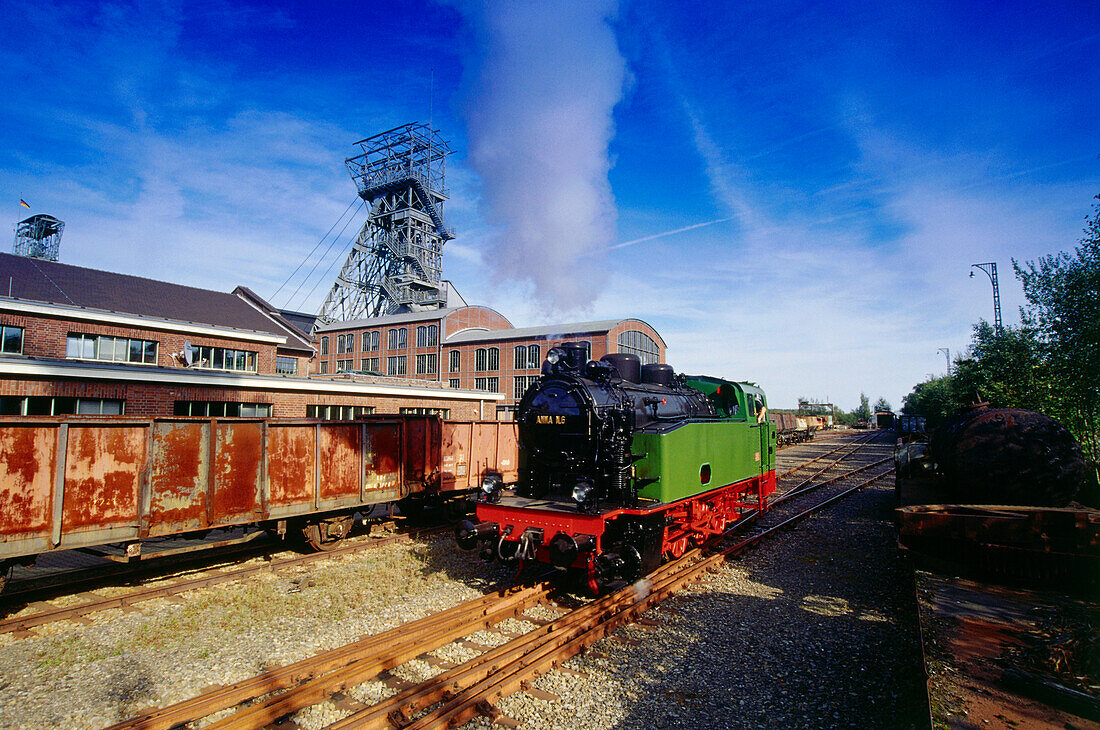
(78, 340)
(471, 347)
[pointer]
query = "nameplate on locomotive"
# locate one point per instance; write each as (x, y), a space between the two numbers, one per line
(550, 420)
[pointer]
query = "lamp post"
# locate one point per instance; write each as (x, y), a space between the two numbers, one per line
(990, 270)
(947, 356)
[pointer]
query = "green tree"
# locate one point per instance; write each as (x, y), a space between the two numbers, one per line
(1003, 368)
(863, 413)
(932, 399)
(1063, 307)
(845, 418)
(882, 405)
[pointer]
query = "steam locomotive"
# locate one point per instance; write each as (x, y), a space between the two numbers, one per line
(622, 465)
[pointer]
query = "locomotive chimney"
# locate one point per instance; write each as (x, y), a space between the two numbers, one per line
(576, 355)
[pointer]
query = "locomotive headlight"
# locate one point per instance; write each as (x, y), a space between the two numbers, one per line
(554, 355)
(582, 491)
(491, 485)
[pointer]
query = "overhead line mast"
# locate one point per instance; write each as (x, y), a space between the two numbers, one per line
(396, 262)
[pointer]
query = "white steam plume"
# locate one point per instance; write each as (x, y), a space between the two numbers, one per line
(539, 122)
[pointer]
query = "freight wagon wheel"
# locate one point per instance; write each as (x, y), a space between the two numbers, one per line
(327, 534)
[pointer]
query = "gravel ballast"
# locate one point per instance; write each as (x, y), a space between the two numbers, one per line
(89, 676)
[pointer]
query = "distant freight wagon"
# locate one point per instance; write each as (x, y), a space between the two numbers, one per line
(76, 482)
(790, 428)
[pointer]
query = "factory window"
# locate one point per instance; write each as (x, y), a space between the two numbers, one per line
(398, 339)
(338, 413)
(487, 359)
(11, 339)
(343, 366)
(113, 349)
(369, 365)
(36, 405)
(427, 364)
(456, 360)
(454, 383)
(324, 345)
(370, 341)
(522, 383)
(345, 343)
(427, 335)
(441, 412)
(223, 358)
(286, 365)
(324, 368)
(527, 357)
(395, 365)
(640, 344)
(221, 409)
(491, 385)
(99, 406)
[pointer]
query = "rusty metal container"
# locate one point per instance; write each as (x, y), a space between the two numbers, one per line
(1024, 546)
(76, 481)
(471, 449)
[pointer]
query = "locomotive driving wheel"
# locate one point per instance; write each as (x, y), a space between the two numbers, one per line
(327, 534)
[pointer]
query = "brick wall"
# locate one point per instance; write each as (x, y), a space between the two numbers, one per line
(155, 399)
(46, 337)
(602, 341)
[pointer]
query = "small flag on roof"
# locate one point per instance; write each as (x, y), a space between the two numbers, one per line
(24, 203)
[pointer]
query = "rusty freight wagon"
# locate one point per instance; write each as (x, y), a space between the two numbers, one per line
(77, 482)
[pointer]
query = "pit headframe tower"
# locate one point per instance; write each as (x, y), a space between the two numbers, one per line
(396, 262)
(39, 237)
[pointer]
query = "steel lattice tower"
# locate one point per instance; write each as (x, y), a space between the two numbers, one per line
(39, 237)
(396, 262)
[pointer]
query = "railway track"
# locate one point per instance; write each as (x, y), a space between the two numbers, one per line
(461, 692)
(45, 613)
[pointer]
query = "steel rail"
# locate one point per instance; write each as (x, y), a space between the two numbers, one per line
(473, 688)
(866, 439)
(806, 486)
(307, 681)
(316, 679)
(24, 623)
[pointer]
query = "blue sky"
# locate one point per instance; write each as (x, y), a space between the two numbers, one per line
(832, 168)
